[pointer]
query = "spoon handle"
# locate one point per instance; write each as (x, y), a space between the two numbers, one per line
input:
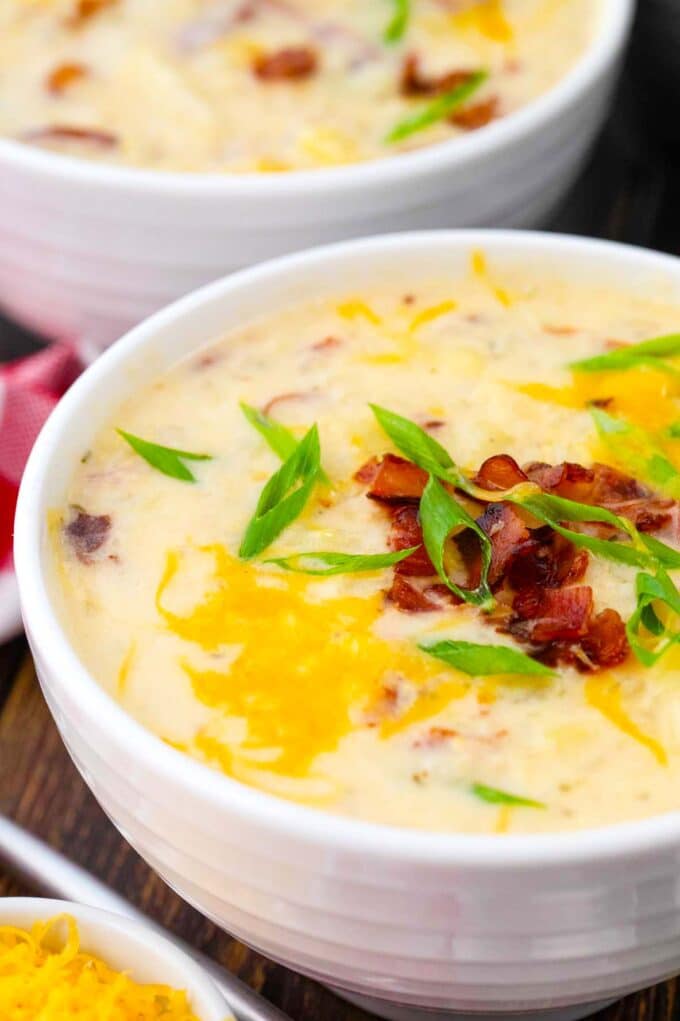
(51, 873)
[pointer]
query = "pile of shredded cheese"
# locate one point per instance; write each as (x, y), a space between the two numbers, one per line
(46, 977)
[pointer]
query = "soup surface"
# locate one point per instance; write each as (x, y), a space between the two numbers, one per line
(274, 85)
(440, 691)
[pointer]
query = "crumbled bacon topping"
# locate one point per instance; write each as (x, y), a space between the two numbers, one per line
(281, 399)
(414, 83)
(86, 9)
(508, 535)
(63, 76)
(87, 533)
(435, 737)
(499, 472)
(604, 486)
(606, 644)
(534, 570)
(392, 479)
(410, 598)
(552, 615)
(327, 344)
(547, 560)
(62, 133)
(471, 118)
(405, 532)
(292, 63)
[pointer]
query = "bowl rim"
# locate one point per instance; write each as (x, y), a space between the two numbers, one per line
(192, 977)
(616, 19)
(317, 827)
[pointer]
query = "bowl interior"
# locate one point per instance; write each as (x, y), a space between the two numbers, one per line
(125, 946)
(608, 42)
(207, 314)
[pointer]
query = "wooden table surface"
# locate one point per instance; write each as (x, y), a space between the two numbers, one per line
(626, 193)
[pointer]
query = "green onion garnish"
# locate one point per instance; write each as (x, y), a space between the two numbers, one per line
(340, 563)
(440, 516)
(280, 503)
(494, 796)
(167, 460)
(636, 449)
(485, 660)
(398, 24)
(438, 108)
(648, 635)
(647, 352)
(278, 437)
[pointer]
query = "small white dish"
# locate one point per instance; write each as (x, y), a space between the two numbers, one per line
(88, 250)
(125, 946)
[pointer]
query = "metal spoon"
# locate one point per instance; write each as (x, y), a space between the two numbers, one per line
(53, 874)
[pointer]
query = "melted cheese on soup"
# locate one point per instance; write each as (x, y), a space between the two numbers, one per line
(271, 85)
(314, 688)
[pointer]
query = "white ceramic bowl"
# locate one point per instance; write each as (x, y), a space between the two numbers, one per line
(125, 946)
(487, 924)
(86, 250)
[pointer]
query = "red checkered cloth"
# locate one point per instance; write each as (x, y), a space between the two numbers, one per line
(29, 389)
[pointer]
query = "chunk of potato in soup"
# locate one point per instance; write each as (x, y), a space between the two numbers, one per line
(315, 686)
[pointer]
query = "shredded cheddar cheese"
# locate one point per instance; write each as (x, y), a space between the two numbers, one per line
(45, 975)
(488, 18)
(291, 717)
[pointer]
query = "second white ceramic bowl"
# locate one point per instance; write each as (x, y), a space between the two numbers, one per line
(87, 251)
(125, 946)
(404, 918)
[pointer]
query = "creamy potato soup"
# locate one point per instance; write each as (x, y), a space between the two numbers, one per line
(406, 555)
(274, 85)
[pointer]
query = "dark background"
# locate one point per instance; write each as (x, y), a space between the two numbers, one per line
(626, 193)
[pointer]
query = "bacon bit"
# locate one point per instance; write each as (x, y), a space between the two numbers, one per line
(408, 299)
(86, 9)
(548, 560)
(280, 398)
(606, 644)
(288, 64)
(603, 486)
(207, 359)
(508, 534)
(393, 479)
(63, 76)
(499, 472)
(87, 533)
(327, 344)
(559, 331)
(70, 133)
(552, 615)
(471, 118)
(569, 480)
(611, 344)
(602, 402)
(409, 599)
(368, 471)
(390, 702)
(624, 495)
(435, 737)
(434, 423)
(404, 533)
(414, 83)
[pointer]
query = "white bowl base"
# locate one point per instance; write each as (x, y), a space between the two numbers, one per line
(407, 1012)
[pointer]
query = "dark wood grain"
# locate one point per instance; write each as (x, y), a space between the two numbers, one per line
(626, 193)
